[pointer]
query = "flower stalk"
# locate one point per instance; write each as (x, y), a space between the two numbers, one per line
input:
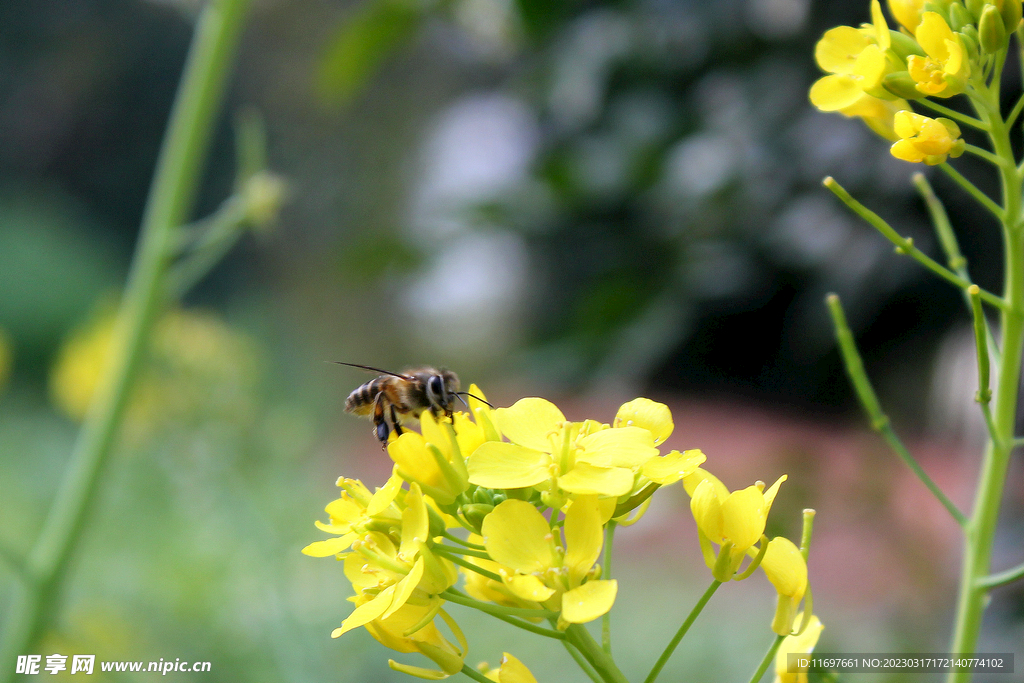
(35, 603)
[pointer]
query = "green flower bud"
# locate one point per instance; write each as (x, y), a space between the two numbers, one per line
(900, 84)
(940, 7)
(475, 513)
(991, 32)
(1011, 12)
(959, 17)
(972, 42)
(975, 7)
(904, 45)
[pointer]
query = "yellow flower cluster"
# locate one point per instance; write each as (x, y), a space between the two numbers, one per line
(532, 494)
(939, 50)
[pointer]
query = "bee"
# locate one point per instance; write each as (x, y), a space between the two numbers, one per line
(392, 395)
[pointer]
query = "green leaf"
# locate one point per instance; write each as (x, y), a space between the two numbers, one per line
(361, 46)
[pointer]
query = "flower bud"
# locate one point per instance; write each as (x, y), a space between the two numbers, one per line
(475, 513)
(1011, 12)
(975, 7)
(904, 45)
(900, 84)
(959, 17)
(971, 42)
(991, 32)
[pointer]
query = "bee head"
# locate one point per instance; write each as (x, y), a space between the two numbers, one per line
(441, 387)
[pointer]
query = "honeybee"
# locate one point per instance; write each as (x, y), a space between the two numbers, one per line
(391, 395)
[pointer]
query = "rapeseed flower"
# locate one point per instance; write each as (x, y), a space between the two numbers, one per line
(945, 68)
(926, 139)
(537, 566)
(511, 670)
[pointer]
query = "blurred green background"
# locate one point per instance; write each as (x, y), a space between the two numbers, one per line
(582, 200)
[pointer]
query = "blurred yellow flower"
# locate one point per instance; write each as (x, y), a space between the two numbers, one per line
(198, 367)
(907, 12)
(926, 139)
(511, 670)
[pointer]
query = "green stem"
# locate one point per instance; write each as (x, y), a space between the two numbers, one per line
(905, 245)
(972, 190)
(670, 648)
(606, 620)
(982, 153)
(466, 564)
(869, 401)
(474, 674)
(1002, 578)
(767, 660)
(980, 531)
(504, 614)
(953, 114)
(581, 662)
(177, 175)
(602, 662)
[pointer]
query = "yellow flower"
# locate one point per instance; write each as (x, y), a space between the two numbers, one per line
(435, 458)
(395, 632)
(734, 520)
(511, 671)
(787, 570)
(926, 139)
(537, 566)
(552, 454)
(353, 512)
(802, 644)
(943, 72)
(643, 412)
(907, 12)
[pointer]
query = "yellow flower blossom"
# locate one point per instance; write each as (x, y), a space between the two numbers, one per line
(537, 566)
(802, 644)
(550, 453)
(353, 512)
(926, 139)
(734, 520)
(398, 632)
(944, 71)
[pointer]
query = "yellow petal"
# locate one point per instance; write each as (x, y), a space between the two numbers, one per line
(604, 481)
(619, 447)
(385, 495)
(906, 151)
(707, 510)
(801, 644)
(409, 451)
(672, 467)
(528, 587)
(691, 481)
(583, 537)
(743, 517)
(405, 588)
(332, 546)
(882, 36)
(589, 601)
(366, 612)
(650, 415)
(835, 93)
(785, 567)
(772, 491)
(530, 422)
(907, 12)
(500, 465)
(837, 50)
(932, 34)
(415, 523)
(518, 536)
(514, 671)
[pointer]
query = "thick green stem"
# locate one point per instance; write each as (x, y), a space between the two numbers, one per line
(174, 186)
(604, 665)
(980, 531)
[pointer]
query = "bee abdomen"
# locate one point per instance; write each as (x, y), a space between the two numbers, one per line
(361, 400)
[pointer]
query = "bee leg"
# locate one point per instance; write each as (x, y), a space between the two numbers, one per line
(380, 423)
(395, 423)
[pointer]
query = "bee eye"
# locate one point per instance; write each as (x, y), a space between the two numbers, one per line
(435, 385)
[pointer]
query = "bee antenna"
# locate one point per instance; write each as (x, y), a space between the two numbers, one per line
(371, 369)
(460, 394)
